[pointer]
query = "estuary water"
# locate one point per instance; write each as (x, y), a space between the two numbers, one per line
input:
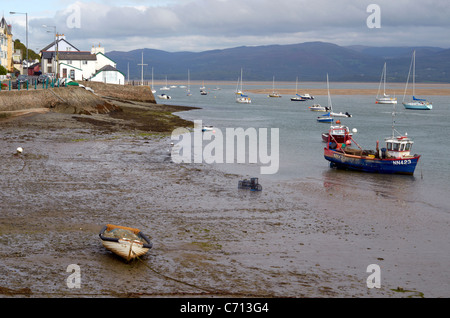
(301, 147)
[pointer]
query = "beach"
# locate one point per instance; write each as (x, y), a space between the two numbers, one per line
(296, 239)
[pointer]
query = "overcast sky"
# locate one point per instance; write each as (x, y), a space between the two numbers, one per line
(199, 25)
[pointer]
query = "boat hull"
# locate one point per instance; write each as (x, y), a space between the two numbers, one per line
(386, 101)
(367, 164)
(419, 106)
(126, 246)
(125, 249)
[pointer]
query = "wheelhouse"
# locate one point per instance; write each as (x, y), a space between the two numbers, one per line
(399, 147)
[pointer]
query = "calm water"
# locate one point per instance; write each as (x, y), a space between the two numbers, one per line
(301, 147)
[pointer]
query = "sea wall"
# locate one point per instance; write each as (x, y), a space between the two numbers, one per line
(74, 99)
(125, 92)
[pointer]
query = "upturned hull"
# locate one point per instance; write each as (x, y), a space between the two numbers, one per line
(368, 164)
(125, 249)
(128, 243)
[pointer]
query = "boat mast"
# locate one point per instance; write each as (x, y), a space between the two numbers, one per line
(329, 97)
(414, 72)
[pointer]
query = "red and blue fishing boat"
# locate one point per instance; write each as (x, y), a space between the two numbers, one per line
(395, 158)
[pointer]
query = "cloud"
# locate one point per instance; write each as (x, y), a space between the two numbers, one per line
(197, 25)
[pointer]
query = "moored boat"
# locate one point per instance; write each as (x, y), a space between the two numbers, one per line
(307, 96)
(340, 134)
(396, 158)
(126, 242)
(164, 96)
(274, 93)
(207, 128)
(319, 108)
(416, 103)
(385, 99)
(298, 98)
(240, 96)
(340, 114)
(326, 118)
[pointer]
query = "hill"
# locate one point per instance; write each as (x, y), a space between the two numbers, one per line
(310, 61)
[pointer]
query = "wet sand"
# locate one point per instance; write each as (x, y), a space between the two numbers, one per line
(78, 173)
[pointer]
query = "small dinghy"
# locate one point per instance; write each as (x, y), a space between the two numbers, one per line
(126, 242)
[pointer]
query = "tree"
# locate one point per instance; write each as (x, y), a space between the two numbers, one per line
(3, 70)
(31, 54)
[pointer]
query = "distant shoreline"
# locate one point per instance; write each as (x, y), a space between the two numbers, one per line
(318, 92)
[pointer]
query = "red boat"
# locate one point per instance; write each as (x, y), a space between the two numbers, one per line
(340, 134)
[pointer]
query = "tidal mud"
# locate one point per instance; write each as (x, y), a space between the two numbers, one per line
(77, 173)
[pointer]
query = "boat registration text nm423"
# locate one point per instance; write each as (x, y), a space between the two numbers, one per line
(402, 162)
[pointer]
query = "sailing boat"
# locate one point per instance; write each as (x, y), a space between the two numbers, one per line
(165, 88)
(386, 99)
(297, 97)
(153, 90)
(241, 98)
(274, 94)
(416, 103)
(203, 89)
(327, 117)
(189, 85)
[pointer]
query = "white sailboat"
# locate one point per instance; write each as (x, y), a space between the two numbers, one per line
(416, 103)
(386, 99)
(241, 98)
(165, 88)
(326, 118)
(153, 90)
(297, 97)
(274, 94)
(189, 85)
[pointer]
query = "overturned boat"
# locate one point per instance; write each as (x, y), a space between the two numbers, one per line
(126, 242)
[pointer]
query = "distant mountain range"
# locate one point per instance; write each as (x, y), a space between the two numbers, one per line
(309, 61)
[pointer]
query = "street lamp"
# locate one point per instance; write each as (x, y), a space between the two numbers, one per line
(55, 70)
(26, 16)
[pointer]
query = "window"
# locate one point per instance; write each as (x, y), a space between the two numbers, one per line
(85, 62)
(389, 145)
(396, 147)
(69, 62)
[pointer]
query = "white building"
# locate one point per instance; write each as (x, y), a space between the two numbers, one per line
(110, 75)
(80, 65)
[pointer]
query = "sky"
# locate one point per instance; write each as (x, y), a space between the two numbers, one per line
(200, 25)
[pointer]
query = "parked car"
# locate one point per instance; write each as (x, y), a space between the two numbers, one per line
(42, 78)
(22, 79)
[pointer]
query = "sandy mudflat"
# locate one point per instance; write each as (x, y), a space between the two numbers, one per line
(394, 89)
(78, 173)
(373, 92)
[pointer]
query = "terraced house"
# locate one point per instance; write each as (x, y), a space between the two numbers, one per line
(6, 45)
